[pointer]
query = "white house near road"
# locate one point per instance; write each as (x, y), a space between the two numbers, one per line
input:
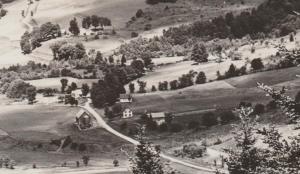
(127, 113)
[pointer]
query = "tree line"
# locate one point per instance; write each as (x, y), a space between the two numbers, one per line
(266, 18)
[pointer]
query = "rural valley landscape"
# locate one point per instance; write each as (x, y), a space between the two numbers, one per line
(149, 87)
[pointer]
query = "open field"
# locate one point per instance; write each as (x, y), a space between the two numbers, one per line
(55, 82)
(28, 126)
(224, 94)
(61, 12)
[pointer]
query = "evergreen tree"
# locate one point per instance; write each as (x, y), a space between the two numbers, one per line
(246, 158)
(147, 157)
(64, 84)
(201, 78)
(74, 29)
(153, 89)
(131, 87)
(232, 72)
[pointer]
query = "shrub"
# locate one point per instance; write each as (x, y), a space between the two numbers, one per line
(257, 64)
(193, 151)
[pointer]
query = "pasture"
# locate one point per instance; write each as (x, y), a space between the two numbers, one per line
(220, 94)
(55, 82)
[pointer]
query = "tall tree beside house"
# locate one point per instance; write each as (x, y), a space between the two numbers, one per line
(73, 28)
(64, 84)
(201, 78)
(199, 53)
(98, 94)
(85, 89)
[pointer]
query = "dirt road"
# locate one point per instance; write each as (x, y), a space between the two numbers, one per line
(104, 125)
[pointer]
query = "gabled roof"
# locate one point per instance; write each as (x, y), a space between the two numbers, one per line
(80, 113)
(158, 115)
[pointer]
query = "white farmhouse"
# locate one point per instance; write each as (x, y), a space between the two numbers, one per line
(127, 113)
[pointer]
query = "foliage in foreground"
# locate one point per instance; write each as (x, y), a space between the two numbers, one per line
(147, 158)
(277, 156)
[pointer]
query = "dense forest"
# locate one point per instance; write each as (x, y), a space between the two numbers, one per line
(271, 17)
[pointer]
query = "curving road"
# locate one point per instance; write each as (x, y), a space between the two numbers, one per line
(104, 125)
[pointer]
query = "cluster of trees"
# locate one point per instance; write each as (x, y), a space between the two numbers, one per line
(65, 88)
(47, 31)
(191, 151)
(184, 81)
(153, 48)
(62, 50)
(152, 2)
(107, 91)
(199, 54)
(95, 21)
(19, 89)
(265, 19)
(233, 71)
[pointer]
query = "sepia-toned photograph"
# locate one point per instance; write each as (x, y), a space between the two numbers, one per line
(149, 86)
